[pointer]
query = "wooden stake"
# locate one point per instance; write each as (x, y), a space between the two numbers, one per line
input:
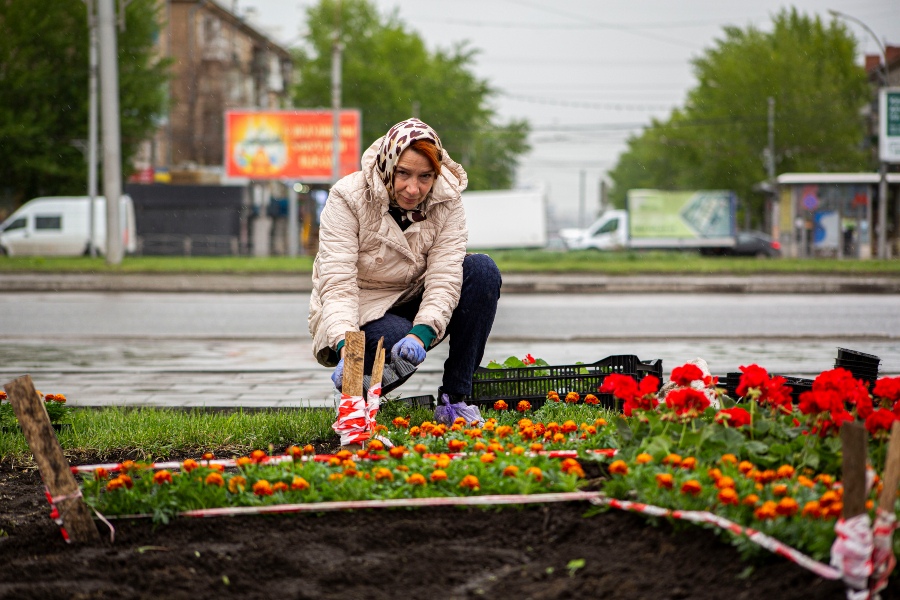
(354, 364)
(378, 366)
(29, 408)
(853, 468)
(891, 476)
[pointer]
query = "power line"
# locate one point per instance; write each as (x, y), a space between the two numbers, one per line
(591, 105)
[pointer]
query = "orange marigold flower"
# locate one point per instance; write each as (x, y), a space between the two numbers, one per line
(725, 482)
(161, 477)
(420, 448)
(572, 466)
(237, 484)
(689, 463)
(665, 480)
(559, 437)
(750, 500)
(828, 498)
(518, 450)
(785, 472)
(553, 426)
(115, 484)
(243, 461)
(536, 447)
(870, 504)
(215, 479)
(787, 507)
(728, 496)
(534, 472)
(126, 481)
(439, 475)
(811, 510)
(672, 459)
(416, 479)
(334, 461)
(375, 446)
(501, 405)
(219, 468)
(490, 425)
(479, 447)
(643, 458)
(745, 466)
(415, 430)
(495, 447)
(456, 427)
(523, 406)
(825, 479)
(294, 452)
(766, 512)
(309, 449)
(728, 459)
(503, 431)
(552, 396)
(767, 476)
(473, 433)
(2, 395)
(127, 466)
(262, 488)
(344, 454)
(189, 465)
(438, 430)
(403, 468)
(400, 423)
(100, 473)
(487, 458)
(351, 471)
(208, 456)
(511, 471)
(336, 477)
(573, 397)
(591, 399)
(569, 427)
(714, 474)
(299, 484)
(806, 481)
(692, 487)
(442, 461)
(780, 489)
(457, 445)
(279, 486)
(397, 451)
(618, 467)
(600, 422)
(258, 456)
(382, 474)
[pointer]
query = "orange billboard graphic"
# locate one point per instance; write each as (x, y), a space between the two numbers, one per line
(289, 144)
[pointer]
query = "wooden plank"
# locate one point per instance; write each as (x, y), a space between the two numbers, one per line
(853, 468)
(29, 408)
(354, 357)
(378, 365)
(891, 476)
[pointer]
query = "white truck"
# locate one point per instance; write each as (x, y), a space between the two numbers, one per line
(60, 226)
(506, 219)
(702, 220)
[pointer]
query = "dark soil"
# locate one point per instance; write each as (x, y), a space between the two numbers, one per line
(431, 553)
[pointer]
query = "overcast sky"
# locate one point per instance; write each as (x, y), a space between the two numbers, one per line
(585, 73)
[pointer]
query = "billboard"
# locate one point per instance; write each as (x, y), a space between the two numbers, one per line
(289, 144)
(889, 124)
(681, 215)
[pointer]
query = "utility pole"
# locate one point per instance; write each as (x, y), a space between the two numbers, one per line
(770, 167)
(109, 103)
(582, 201)
(336, 95)
(92, 124)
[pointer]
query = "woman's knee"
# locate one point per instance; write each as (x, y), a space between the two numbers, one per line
(481, 270)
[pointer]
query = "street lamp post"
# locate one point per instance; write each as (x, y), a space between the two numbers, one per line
(882, 180)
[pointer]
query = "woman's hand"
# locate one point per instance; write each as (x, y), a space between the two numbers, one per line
(411, 349)
(338, 375)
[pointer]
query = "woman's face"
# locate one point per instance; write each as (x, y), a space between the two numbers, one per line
(413, 178)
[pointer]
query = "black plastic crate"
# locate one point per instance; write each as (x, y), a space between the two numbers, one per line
(798, 385)
(860, 358)
(426, 401)
(534, 382)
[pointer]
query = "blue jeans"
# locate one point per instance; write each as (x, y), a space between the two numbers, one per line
(468, 330)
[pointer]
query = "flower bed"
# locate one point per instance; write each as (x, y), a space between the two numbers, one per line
(60, 414)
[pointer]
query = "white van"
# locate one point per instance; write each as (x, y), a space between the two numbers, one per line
(58, 226)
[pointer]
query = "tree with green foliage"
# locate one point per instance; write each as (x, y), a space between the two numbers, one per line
(44, 103)
(390, 75)
(718, 140)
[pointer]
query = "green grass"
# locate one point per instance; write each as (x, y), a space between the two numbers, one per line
(151, 433)
(509, 261)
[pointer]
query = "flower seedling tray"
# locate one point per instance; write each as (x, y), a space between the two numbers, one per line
(532, 383)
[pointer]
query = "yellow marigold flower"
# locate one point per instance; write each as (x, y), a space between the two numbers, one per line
(279, 486)
(618, 467)
(161, 477)
(457, 445)
(573, 397)
(309, 449)
(397, 451)
(536, 447)
(728, 459)
(665, 480)
(215, 479)
(299, 484)
(689, 463)
(420, 448)
(600, 422)
(375, 446)
(784, 472)
(189, 465)
(511, 471)
(692, 487)
(439, 475)
(500, 405)
(787, 507)
(672, 459)
(442, 461)
(766, 512)
(559, 437)
(750, 500)
(258, 456)
(725, 482)
(805, 481)
(400, 423)
(382, 474)
(416, 479)
(262, 488)
(643, 458)
(523, 406)
(811, 510)
(569, 427)
(488, 458)
(237, 484)
(780, 489)
(336, 477)
(100, 473)
(479, 447)
(745, 466)
(728, 496)
(518, 450)
(534, 472)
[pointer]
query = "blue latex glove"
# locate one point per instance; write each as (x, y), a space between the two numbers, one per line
(338, 376)
(409, 350)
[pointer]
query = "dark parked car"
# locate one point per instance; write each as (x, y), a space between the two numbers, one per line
(755, 243)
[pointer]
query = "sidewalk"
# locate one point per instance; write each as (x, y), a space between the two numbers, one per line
(513, 283)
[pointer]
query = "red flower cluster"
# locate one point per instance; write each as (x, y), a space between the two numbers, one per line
(528, 360)
(733, 417)
(887, 389)
(756, 383)
(685, 374)
(637, 396)
(687, 402)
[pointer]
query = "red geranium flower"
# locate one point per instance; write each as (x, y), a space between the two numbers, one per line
(733, 417)
(879, 423)
(528, 360)
(623, 387)
(685, 374)
(687, 402)
(887, 389)
(753, 377)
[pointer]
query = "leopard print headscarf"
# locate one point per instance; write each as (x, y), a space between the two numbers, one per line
(398, 139)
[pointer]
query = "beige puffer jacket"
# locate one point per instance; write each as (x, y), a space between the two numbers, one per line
(366, 264)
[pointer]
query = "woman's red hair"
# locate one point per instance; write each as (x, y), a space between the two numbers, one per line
(430, 152)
